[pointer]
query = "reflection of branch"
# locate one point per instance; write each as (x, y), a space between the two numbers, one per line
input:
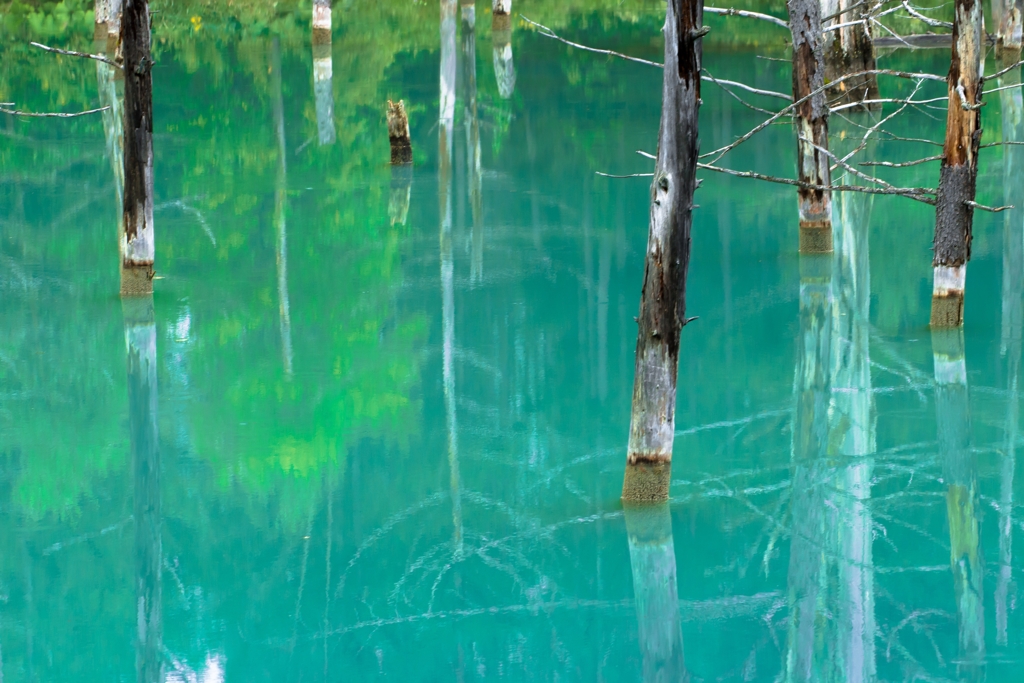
(54, 115)
(72, 53)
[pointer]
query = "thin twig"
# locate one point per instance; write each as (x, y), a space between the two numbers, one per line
(722, 151)
(751, 15)
(548, 33)
(904, 164)
(72, 53)
(928, 20)
(756, 91)
(982, 207)
(628, 175)
(56, 115)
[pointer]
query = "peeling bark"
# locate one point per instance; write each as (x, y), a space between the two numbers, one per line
(849, 50)
(811, 120)
(140, 339)
(398, 133)
(954, 216)
(138, 244)
(323, 72)
(663, 299)
(652, 558)
(110, 84)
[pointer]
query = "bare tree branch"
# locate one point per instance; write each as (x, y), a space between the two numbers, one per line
(751, 15)
(928, 20)
(548, 33)
(56, 115)
(889, 164)
(72, 53)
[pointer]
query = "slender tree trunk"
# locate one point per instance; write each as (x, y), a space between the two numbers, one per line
(114, 11)
(810, 466)
(663, 300)
(852, 429)
(138, 244)
(501, 42)
(1012, 319)
(110, 84)
(849, 50)
(811, 126)
(954, 215)
(445, 132)
(140, 337)
(960, 472)
(473, 138)
(281, 208)
(101, 17)
(1006, 15)
(652, 557)
(323, 71)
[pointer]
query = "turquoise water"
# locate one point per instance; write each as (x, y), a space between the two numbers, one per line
(394, 448)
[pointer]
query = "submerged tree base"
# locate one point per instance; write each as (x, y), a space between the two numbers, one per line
(501, 22)
(646, 481)
(947, 309)
(816, 238)
(136, 280)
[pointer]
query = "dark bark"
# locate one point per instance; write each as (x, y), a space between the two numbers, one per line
(663, 299)
(954, 215)
(811, 120)
(137, 245)
(501, 15)
(140, 334)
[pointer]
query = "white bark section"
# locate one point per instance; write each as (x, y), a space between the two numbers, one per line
(502, 7)
(448, 63)
(949, 280)
(950, 370)
(114, 18)
(322, 17)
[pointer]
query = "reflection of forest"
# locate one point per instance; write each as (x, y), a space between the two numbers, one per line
(307, 495)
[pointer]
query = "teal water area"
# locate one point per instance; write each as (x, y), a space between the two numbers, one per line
(377, 425)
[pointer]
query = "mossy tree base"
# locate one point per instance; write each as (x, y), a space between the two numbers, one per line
(646, 482)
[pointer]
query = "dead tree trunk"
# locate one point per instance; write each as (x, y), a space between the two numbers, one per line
(398, 133)
(811, 119)
(652, 558)
(960, 472)
(849, 50)
(140, 338)
(323, 72)
(663, 299)
(138, 243)
(954, 213)
(501, 42)
(1007, 16)
(110, 84)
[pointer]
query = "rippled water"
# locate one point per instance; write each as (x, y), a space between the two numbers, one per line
(390, 441)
